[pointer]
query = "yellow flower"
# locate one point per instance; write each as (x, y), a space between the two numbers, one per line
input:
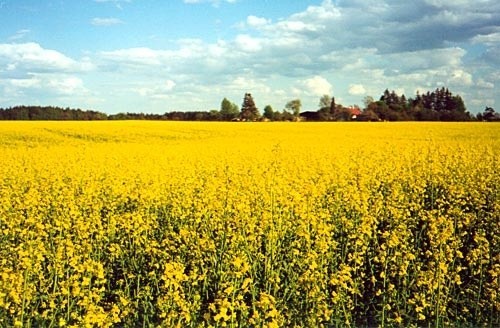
(236, 224)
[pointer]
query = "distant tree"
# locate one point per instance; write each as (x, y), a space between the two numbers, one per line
(294, 107)
(490, 115)
(343, 113)
(403, 102)
(228, 110)
(367, 101)
(442, 105)
(324, 113)
(337, 112)
(286, 116)
(368, 115)
(268, 112)
(333, 107)
(380, 109)
(49, 113)
(214, 115)
(438, 105)
(277, 116)
(325, 101)
(386, 97)
(249, 111)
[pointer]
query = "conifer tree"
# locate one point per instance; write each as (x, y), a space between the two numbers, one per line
(249, 111)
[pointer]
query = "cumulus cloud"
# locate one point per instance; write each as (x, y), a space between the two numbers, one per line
(296, 26)
(256, 22)
(318, 85)
(31, 57)
(389, 45)
(52, 84)
(29, 72)
(325, 40)
(326, 11)
(459, 77)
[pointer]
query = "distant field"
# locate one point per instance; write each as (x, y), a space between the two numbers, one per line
(132, 223)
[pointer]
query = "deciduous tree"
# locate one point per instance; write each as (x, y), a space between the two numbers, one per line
(228, 110)
(294, 107)
(268, 112)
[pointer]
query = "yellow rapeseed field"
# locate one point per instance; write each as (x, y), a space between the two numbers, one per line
(138, 224)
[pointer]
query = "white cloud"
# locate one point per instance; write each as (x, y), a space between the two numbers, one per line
(243, 84)
(110, 21)
(53, 84)
(296, 26)
(26, 83)
(357, 89)
(217, 49)
(414, 61)
(488, 39)
(31, 57)
(326, 11)
(30, 73)
(460, 77)
(66, 85)
(137, 56)
(190, 52)
(321, 42)
(318, 85)
(159, 91)
(256, 22)
(247, 43)
(33, 54)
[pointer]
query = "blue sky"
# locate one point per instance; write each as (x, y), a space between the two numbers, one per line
(156, 56)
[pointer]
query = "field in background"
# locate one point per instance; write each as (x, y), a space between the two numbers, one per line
(268, 224)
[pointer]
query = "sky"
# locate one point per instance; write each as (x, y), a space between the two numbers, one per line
(156, 56)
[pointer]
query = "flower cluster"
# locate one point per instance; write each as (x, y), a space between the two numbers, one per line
(176, 224)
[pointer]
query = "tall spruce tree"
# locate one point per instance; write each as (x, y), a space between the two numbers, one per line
(249, 111)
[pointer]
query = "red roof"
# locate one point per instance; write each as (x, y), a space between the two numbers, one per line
(355, 111)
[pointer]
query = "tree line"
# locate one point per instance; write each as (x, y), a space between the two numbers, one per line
(49, 113)
(438, 105)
